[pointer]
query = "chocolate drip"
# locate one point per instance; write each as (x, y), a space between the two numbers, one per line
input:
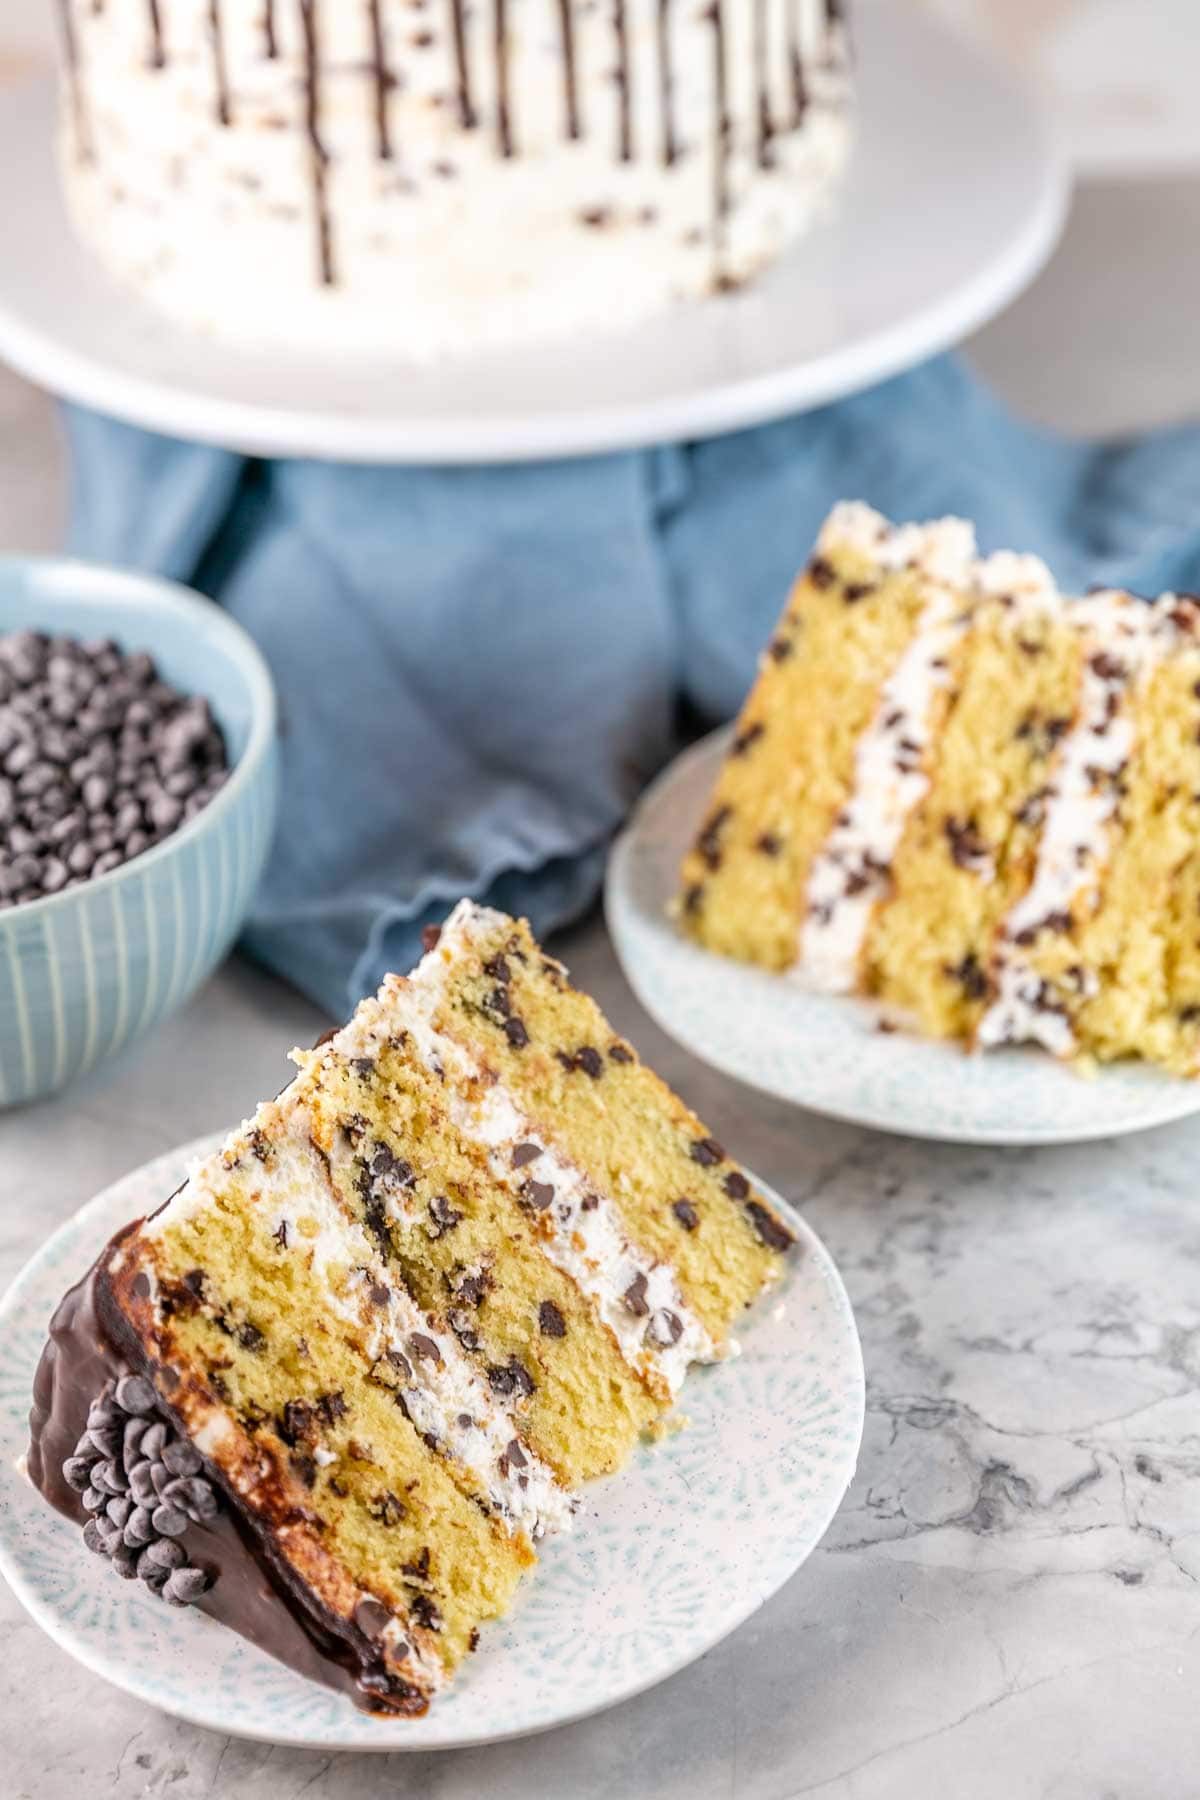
(320, 156)
(254, 1589)
(666, 84)
(766, 127)
(158, 53)
(796, 69)
(570, 78)
(624, 93)
(503, 115)
(270, 38)
(383, 82)
(722, 136)
(83, 145)
(466, 110)
(220, 74)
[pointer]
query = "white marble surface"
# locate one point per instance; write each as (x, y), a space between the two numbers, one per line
(1008, 1606)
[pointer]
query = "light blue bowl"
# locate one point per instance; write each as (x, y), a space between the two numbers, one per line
(85, 972)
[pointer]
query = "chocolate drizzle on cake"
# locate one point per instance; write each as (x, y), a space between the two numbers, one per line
(722, 139)
(504, 136)
(158, 53)
(70, 43)
(383, 81)
(666, 84)
(220, 75)
(765, 123)
(570, 74)
(466, 110)
(624, 83)
(319, 154)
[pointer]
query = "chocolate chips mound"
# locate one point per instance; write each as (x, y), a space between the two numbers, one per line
(139, 1481)
(99, 760)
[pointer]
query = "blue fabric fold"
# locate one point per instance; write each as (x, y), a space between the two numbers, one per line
(480, 668)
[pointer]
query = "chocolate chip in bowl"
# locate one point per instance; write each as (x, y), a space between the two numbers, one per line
(99, 760)
(138, 775)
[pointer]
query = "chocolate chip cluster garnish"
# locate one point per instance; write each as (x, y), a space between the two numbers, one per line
(140, 1482)
(99, 760)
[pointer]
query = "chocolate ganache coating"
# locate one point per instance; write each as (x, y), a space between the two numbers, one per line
(250, 1588)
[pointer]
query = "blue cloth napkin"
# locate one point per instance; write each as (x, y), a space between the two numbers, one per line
(480, 668)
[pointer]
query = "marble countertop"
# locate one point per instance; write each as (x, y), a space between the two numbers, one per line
(1008, 1605)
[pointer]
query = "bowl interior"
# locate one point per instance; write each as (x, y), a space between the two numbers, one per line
(196, 647)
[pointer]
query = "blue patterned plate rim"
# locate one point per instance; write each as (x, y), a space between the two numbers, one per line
(825, 1052)
(98, 585)
(769, 1452)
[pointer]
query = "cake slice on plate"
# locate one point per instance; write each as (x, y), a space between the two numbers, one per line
(978, 801)
(339, 1386)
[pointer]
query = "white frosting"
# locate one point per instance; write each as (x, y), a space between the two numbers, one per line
(444, 1397)
(943, 549)
(580, 1230)
(1122, 636)
(444, 244)
(852, 871)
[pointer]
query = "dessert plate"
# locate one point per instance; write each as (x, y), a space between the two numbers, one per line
(628, 1599)
(954, 199)
(826, 1052)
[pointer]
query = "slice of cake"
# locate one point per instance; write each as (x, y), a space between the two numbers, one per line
(337, 1388)
(959, 792)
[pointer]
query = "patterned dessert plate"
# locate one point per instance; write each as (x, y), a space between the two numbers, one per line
(828, 1053)
(638, 1591)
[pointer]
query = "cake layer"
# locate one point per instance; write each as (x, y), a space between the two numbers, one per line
(447, 176)
(985, 818)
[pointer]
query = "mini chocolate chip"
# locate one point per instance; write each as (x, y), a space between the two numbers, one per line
(692, 900)
(379, 1295)
(134, 1394)
(769, 1229)
(424, 1612)
(537, 1194)
(182, 1458)
(513, 1457)
(970, 974)
(747, 738)
(424, 1348)
(821, 572)
(445, 1217)
(634, 1296)
(515, 1032)
(707, 1152)
(371, 1616)
(550, 1320)
(857, 590)
(525, 1154)
(779, 649)
(139, 1527)
(620, 1053)
(686, 1213)
(497, 967)
(77, 1473)
(589, 1203)
(94, 1539)
(249, 1336)
(387, 1509)
(768, 843)
(168, 1520)
(185, 1587)
(510, 1378)
(590, 1061)
(736, 1185)
(332, 1407)
(430, 937)
(665, 1328)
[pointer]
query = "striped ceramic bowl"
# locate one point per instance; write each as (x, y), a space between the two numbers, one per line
(85, 972)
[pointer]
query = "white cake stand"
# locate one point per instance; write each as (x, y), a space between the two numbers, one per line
(955, 198)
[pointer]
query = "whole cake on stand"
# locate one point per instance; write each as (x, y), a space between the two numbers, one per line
(433, 176)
